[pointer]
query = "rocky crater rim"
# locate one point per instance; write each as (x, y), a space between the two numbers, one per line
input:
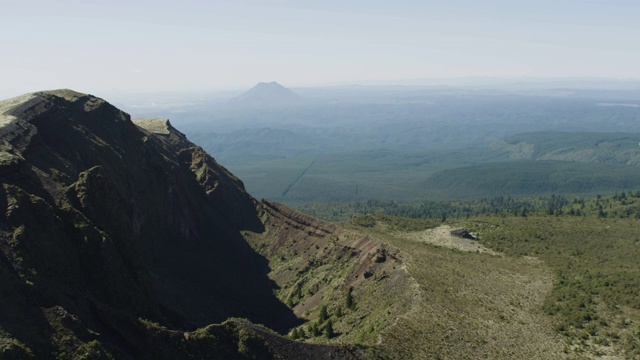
(18, 113)
(6, 107)
(14, 108)
(161, 126)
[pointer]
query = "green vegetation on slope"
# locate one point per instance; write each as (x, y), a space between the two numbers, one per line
(589, 246)
(470, 305)
(596, 293)
(347, 286)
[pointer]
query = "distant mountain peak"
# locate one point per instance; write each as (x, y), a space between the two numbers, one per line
(272, 83)
(267, 93)
(269, 85)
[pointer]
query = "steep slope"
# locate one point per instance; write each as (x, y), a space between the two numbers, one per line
(333, 277)
(119, 240)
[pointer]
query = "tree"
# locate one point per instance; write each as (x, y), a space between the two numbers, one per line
(601, 213)
(328, 330)
(313, 329)
(323, 314)
(349, 302)
(297, 333)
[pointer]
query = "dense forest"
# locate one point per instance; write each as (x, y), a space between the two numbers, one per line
(619, 205)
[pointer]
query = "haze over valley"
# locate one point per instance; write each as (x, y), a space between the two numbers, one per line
(342, 144)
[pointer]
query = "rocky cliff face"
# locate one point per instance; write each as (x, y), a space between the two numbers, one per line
(121, 239)
(329, 274)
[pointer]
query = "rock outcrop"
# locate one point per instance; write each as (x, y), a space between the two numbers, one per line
(318, 265)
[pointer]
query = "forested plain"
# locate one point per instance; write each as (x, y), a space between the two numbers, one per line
(411, 144)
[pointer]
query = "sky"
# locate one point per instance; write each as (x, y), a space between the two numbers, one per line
(101, 47)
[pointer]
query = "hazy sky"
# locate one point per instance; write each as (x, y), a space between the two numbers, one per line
(101, 46)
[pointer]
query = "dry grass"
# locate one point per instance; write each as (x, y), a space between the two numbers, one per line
(471, 305)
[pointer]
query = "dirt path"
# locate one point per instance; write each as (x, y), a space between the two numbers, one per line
(441, 236)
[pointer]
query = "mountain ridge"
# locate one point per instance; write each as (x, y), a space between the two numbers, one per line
(120, 240)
